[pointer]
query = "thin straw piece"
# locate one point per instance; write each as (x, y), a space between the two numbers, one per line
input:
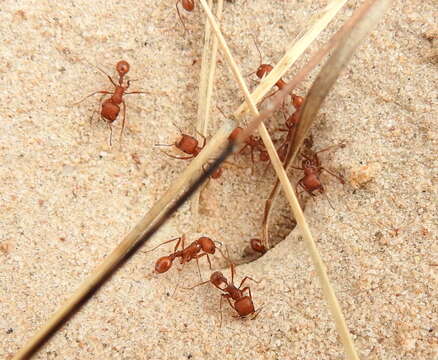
(112, 260)
(205, 96)
(203, 78)
(317, 24)
(327, 288)
(208, 70)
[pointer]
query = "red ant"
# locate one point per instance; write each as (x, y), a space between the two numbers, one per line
(111, 107)
(291, 123)
(243, 304)
(264, 69)
(189, 145)
(197, 249)
(312, 168)
(256, 245)
(253, 142)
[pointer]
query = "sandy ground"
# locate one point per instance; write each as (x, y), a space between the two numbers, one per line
(67, 198)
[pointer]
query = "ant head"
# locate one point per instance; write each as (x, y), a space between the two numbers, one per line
(244, 306)
(122, 67)
(297, 101)
(207, 245)
(236, 132)
(263, 70)
(163, 264)
(306, 163)
(217, 278)
(187, 144)
(257, 245)
(217, 173)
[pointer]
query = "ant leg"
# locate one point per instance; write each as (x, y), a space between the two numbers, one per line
(220, 309)
(166, 242)
(257, 312)
(136, 92)
(331, 148)
(98, 109)
(201, 283)
(233, 271)
(181, 240)
(209, 262)
(179, 157)
(180, 17)
(111, 133)
(299, 183)
(247, 278)
(252, 160)
(94, 93)
(340, 178)
(123, 121)
(204, 139)
(197, 264)
(179, 278)
(249, 291)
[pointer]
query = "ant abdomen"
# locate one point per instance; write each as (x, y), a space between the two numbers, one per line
(163, 264)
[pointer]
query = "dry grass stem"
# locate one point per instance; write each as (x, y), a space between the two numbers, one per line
(317, 24)
(112, 260)
(315, 97)
(305, 123)
(206, 82)
(275, 160)
(203, 78)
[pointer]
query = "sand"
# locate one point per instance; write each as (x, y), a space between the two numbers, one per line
(67, 198)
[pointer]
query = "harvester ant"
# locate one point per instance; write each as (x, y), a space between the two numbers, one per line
(190, 146)
(312, 168)
(291, 124)
(110, 108)
(243, 304)
(253, 142)
(203, 246)
(264, 69)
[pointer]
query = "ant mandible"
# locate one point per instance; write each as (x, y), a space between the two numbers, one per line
(111, 107)
(197, 249)
(312, 168)
(243, 304)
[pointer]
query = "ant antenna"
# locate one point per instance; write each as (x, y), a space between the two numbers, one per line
(180, 17)
(328, 200)
(102, 71)
(225, 116)
(258, 49)
(179, 129)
